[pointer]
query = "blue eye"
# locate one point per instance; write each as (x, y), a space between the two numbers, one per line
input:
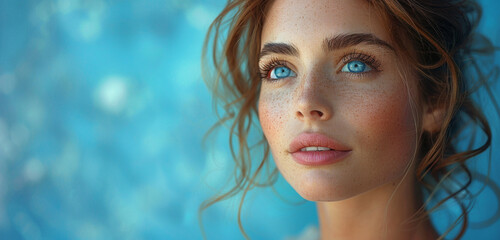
(281, 72)
(356, 67)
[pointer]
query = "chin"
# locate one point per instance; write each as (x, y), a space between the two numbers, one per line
(323, 190)
(316, 196)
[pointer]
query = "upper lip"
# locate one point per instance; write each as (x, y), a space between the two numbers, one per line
(315, 140)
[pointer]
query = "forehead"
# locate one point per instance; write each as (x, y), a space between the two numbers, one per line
(308, 23)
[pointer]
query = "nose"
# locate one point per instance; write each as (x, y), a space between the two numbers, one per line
(312, 103)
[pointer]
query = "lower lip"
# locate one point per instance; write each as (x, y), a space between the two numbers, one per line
(317, 158)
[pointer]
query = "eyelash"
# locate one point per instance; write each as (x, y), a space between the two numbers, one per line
(352, 56)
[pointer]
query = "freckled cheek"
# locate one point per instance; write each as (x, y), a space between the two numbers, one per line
(271, 111)
(386, 124)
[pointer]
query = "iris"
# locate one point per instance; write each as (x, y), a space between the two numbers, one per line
(355, 67)
(281, 72)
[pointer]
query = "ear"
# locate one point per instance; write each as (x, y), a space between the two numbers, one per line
(433, 118)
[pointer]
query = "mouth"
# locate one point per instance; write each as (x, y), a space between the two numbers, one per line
(315, 149)
(306, 142)
(310, 149)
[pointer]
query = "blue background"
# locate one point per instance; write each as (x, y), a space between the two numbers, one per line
(102, 113)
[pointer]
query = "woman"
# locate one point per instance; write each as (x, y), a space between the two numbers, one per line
(359, 102)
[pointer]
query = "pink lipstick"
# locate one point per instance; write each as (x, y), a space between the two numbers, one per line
(314, 149)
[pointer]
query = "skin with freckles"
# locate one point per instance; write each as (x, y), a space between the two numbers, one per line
(368, 112)
(352, 93)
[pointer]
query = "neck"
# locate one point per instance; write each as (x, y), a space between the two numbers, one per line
(387, 212)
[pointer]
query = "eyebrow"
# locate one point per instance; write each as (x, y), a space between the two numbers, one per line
(329, 44)
(279, 48)
(348, 40)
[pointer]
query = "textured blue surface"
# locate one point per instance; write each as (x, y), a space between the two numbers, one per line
(102, 112)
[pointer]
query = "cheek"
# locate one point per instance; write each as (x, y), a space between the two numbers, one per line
(271, 110)
(385, 116)
(385, 129)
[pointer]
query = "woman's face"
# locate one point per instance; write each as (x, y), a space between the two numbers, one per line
(330, 80)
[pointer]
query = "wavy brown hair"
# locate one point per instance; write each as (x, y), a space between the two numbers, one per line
(443, 54)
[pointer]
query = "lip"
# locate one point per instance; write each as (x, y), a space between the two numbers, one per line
(314, 158)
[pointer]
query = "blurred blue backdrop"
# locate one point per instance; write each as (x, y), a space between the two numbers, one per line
(102, 112)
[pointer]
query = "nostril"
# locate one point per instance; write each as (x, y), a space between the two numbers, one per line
(312, 114)
(316, 112)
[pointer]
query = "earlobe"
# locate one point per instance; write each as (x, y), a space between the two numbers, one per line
(433, 119)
